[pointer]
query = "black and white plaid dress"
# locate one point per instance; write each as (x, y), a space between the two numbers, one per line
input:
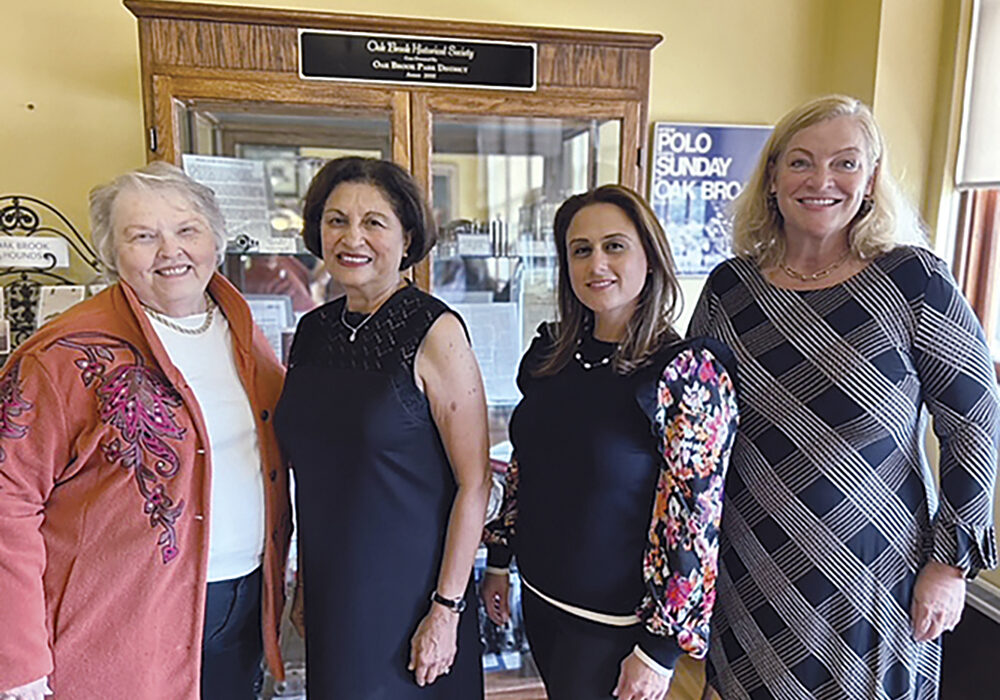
(831, 506)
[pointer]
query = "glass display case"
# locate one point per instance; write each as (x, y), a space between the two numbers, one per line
(496, 184)
(224, 82)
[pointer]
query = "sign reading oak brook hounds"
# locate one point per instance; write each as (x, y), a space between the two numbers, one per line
(419, 60)
(28, 252)
(698, 170)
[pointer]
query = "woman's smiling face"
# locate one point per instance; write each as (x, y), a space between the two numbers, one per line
(822, 177)
(363, 239)
(164, 249)
(607, 263)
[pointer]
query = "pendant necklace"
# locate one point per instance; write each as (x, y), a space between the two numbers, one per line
(353, 329)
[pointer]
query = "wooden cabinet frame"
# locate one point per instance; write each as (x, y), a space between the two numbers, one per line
(237, 54)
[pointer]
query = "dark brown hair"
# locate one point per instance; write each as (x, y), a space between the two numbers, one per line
(398, 187)
(651, 326)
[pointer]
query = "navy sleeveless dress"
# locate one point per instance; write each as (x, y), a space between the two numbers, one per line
(374, 491)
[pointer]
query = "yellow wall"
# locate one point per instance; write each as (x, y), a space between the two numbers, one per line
(76, 62)
(906, 100)
(72, 118)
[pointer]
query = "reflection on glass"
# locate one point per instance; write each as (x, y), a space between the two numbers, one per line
(293, 143)
(496, 185)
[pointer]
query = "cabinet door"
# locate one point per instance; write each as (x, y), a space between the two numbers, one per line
(292, 135)
(497, 168)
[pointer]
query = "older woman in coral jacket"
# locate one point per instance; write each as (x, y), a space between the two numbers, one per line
(144, 512)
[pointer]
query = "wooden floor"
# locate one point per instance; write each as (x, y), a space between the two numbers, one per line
(687, 684)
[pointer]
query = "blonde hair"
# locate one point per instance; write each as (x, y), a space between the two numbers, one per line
(757, 223)
(651, 325)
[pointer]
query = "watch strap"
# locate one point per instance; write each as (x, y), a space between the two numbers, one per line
(456, 605)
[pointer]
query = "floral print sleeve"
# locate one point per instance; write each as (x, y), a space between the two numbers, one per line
(696, 418)
(498, 533)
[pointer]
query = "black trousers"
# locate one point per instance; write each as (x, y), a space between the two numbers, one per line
(232, 644)
(577, 659)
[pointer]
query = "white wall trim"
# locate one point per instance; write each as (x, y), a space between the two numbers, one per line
(984, 597)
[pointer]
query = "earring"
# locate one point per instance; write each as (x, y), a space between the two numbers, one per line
(866, 206)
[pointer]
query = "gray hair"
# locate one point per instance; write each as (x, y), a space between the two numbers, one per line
(156, 176)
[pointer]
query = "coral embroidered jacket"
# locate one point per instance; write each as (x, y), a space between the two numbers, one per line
(104, 503)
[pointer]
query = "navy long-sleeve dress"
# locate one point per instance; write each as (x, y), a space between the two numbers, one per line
(831, 506)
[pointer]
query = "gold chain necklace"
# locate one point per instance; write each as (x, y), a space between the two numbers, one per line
(169, 322)
(819, 274)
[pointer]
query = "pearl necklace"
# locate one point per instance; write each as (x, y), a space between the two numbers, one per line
(353, 329)
(587, 366)
(171, 324)
(819, 274)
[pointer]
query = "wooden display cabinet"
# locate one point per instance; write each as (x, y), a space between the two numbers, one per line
(247, 59)
(225, 81)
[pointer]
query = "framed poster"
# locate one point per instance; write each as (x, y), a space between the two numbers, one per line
(240, 188)
(697, 171)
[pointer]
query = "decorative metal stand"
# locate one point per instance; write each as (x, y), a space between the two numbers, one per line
(21, 215)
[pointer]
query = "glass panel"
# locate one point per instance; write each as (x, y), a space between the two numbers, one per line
(293, 142)
(496, 185)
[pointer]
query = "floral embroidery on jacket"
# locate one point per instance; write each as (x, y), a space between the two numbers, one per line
(696, 416)
(137, 401)
(12, 405)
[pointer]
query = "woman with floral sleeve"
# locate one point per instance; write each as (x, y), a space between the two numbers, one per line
(621, 445)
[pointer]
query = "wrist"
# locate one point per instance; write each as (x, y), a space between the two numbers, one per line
(440, 616)
(948, 569)
(454, 606)
(652, 663)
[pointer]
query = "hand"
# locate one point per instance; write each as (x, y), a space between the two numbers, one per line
(938, 599)
(637, 681)
(434, 645)
(297, 615)
(36, 690)
(495, 594)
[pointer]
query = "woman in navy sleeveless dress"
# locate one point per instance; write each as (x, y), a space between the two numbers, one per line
(383, 419)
